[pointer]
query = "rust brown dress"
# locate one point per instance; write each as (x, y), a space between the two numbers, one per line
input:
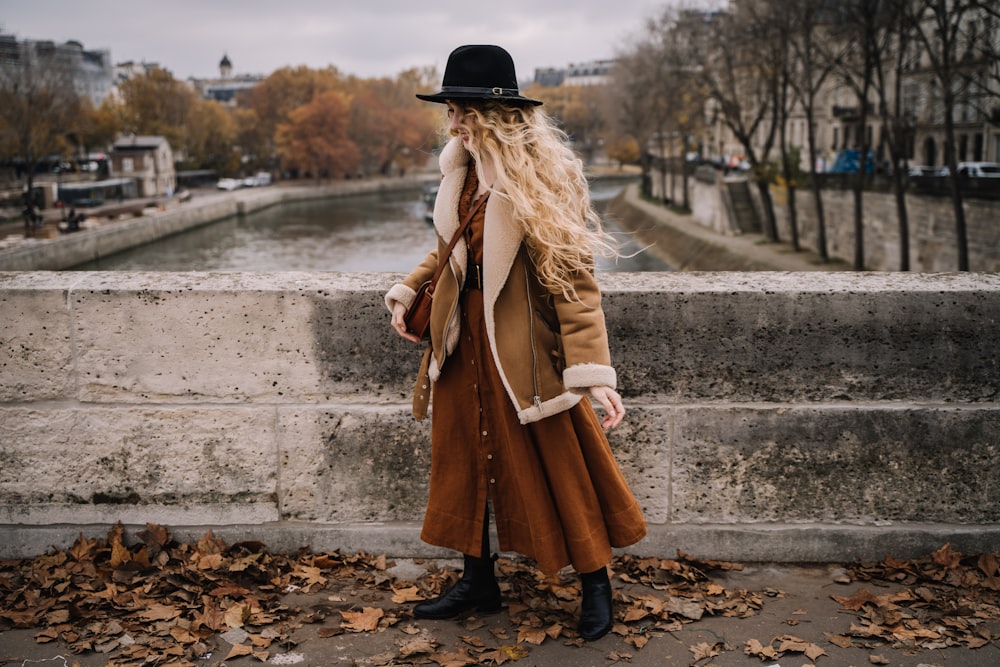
(558, 495)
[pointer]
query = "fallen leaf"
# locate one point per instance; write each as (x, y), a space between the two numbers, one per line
(416, 646)
(365, 620)
(404, 595)
(838, 640)
(238, 650)
(531, 635)
(704, 650)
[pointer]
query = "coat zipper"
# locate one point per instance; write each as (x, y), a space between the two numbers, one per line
(531, 335)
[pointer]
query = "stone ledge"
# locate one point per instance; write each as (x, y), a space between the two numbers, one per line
(278, 400)
(762, 543)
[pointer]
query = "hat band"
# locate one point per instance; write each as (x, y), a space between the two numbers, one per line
(469, 90)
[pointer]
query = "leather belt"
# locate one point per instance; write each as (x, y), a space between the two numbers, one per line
(474, 276)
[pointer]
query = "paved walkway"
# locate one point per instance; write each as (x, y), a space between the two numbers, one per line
(797, 613)
(686, 245)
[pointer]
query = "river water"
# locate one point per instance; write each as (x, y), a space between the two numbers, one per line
(365, 233)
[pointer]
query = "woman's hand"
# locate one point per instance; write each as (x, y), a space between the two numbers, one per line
(612, 404)
(398, 311)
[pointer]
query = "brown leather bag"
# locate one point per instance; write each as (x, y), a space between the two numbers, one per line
(418, 315)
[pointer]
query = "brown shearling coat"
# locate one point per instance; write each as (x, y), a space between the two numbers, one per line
(510, 425)
(549, 350)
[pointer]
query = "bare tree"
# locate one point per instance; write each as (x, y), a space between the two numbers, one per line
(813, 63)
(858, 25)
(784, 25)
(740, 74)
(38, 108)
(631, 116)
(892, 61)
(942, 28)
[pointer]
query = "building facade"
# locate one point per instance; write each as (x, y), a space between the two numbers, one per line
(227, 86)
(920, 126)
(147, 159)
(591, 73)
(89, 71)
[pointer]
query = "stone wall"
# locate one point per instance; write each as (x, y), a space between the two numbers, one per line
(787, 417)
(110, 237)
(931, 226)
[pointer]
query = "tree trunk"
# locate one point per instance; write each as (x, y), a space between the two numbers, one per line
(904, 223)
(770, 226)
(787, 173)
(956, 192)
(814, 181)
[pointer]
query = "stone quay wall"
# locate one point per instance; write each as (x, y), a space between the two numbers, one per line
(933, 247)
(69, 250)
(792, 417)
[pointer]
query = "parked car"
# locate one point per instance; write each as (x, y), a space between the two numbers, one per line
(228, 184)
(922, 170)
(979, 169)
(263, 178)
(250, 182)
(849, 160)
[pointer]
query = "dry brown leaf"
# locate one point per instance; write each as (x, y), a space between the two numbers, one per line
(236, 616)
(416, 646)
(879, 660)
(796, 645)
(838, 640)
(755, 648)
(531, 635)
(365, 620)
(324, 633)
(860, 598)
(159, 612)
(704, 650)
(408, 594)
(238, 650)
(456, 659)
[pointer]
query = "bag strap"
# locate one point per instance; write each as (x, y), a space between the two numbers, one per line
(458, 234)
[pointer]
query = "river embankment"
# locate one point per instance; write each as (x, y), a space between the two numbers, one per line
(686, 244)
(102, 237)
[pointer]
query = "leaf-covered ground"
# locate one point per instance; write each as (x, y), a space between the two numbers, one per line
(149, 600)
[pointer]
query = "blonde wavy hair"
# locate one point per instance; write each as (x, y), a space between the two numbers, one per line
(543, 180)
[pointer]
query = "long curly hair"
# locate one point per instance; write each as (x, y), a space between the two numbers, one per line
(543, 180)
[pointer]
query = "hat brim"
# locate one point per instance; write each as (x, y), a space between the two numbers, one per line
(442, 98)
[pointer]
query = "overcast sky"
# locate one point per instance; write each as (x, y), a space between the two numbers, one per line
(362, 37)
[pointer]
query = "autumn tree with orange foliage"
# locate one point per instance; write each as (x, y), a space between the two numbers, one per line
(157, 104)
(391, 127)
(274, 98)
(315, 139)
(579, 110)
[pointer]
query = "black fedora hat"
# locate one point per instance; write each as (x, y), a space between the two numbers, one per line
(479, 72)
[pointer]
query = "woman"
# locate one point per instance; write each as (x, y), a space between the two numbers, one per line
(517, 339)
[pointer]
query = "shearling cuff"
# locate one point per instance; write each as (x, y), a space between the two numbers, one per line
(399, 293)
(581, 377)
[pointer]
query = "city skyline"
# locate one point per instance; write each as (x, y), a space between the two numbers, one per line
(379, 38)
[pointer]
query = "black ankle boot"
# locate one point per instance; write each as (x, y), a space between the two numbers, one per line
(477, 589)
(595, 609)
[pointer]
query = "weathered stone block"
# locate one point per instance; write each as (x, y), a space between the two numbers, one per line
(353, 465)
(774, 337)
(846, 464)
(36, 347)
(166, 465)
(642, 445)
